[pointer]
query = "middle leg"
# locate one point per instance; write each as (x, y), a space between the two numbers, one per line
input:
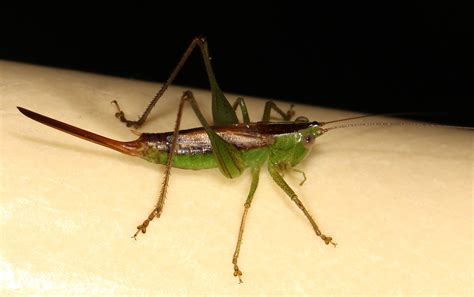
(269, 105)
(248, 202)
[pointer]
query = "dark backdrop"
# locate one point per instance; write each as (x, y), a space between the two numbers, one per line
(370, 58)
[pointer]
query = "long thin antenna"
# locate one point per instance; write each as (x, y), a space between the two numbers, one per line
(395, 124)
(368, 116)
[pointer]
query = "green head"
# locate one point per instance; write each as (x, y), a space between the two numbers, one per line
(305, 141)
(292, 148)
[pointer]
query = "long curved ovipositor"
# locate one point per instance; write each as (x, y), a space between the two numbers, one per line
(133, 148)
(194, 149)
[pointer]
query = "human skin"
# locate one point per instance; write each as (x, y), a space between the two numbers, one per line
(398, 201)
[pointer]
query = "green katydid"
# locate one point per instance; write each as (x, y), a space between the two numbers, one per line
(227, 144)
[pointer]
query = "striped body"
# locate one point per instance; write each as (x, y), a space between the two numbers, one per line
(280, 143)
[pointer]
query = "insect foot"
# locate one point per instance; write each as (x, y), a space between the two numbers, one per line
(141, 228)
(121, 116)
(328, 240)
(144, 225)
(237, 271)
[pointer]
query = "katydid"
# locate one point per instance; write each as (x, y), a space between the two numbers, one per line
(227, 144)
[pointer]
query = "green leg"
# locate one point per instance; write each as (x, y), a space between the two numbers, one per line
(222, 111)
(269, 105)
(248, 203)
(243, 107)
(229, 160)
(302, 172)
(273, 170)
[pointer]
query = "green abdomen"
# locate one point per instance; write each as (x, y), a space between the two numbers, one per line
(252, 158)
(192, 161)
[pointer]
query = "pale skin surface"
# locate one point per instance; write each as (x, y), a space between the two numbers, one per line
(398, 201)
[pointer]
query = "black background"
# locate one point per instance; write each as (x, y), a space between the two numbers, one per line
(373, 58)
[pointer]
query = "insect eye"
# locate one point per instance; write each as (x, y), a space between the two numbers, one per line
(309, 138)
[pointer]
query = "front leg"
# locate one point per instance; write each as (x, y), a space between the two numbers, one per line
(273, 170)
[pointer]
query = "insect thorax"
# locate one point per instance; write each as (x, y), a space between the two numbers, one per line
(292, 148)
